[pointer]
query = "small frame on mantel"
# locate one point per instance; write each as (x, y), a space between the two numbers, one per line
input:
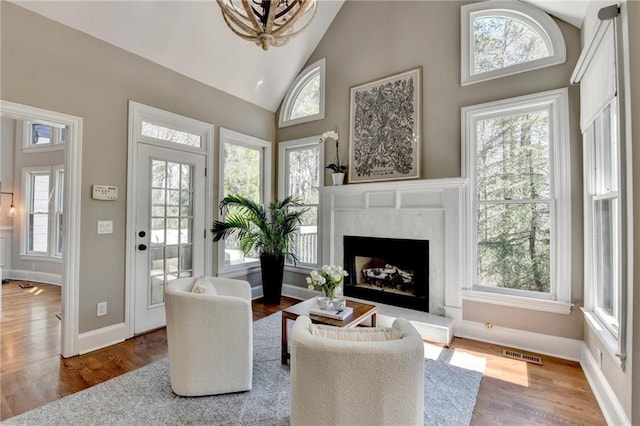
(384, 128)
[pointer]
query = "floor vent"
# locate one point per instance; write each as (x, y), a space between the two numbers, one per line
(525, 357)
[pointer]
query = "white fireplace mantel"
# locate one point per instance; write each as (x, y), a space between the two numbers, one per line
(430, 209)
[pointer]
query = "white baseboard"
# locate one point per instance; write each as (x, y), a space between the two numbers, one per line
(256, 292)
(300, 293)
(40, 277)
(288, 290)
(102, 337)
(559, 347)
(611, 408)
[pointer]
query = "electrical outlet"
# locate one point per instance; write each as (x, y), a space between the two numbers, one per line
(101, 309)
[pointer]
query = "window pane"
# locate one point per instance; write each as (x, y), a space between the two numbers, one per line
(38, 233)
(304, 174)
(306, 237)
(41, 134)
(307, 102)
(500, 42)
(242, 176)
(513, 157)
(606, 149)
(514, 246)
(242, 171)
(40, 193)
(604, 218)
(171, 135)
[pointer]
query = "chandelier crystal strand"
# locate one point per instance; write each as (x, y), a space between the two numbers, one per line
(267, 22)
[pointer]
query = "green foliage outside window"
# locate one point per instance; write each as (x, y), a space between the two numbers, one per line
(513, 202)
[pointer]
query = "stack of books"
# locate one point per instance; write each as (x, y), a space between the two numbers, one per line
(332, 313)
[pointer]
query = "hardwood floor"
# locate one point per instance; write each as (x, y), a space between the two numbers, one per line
(32, 372)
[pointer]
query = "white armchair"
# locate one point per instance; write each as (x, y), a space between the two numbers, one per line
(210, 337)
(356, 376)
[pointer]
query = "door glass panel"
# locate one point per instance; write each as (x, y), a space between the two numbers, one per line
(171, 225)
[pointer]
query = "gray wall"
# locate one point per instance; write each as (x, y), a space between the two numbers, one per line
(7, 138)
(370, 39)
(51, 66)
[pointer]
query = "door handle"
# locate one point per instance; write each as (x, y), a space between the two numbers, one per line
(142, 247)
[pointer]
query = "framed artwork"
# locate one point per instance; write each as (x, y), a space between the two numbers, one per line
(384, 128)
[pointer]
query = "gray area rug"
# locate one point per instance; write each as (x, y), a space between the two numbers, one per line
(144, 396)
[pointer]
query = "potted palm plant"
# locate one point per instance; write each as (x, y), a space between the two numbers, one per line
(269, 231)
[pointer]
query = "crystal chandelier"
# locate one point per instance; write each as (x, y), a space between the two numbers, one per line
(267, 22)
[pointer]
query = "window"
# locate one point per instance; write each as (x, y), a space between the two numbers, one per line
(170, 135)
(304, 100)
(39, 134)
(245, 167)
(300, 174)
(517, 161)
(502, 38)
(43, 211)
(606, 176)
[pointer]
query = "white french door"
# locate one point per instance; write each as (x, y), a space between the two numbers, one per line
(170, 219)
(168, 192)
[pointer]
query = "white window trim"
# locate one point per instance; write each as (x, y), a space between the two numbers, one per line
(556, 101)
(301, 80)
(173, 121)
(50, 255)
(59, 200)
(538, 20)
(237, 138)
(283, 180)
(27, 147)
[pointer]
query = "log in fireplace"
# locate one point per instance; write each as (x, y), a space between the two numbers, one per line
(388, 270)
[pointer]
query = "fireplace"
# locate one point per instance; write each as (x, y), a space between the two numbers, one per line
(388, 270)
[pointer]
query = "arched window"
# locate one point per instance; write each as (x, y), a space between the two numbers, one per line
(304, 100)
(503, 38)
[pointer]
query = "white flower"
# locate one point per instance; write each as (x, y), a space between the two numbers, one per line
(329, 135)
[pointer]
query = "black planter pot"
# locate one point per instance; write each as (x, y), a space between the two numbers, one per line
(272, 268)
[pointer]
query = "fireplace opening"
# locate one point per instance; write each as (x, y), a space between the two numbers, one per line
(388, 270)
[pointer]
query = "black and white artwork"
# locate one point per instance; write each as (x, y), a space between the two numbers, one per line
(385, 128)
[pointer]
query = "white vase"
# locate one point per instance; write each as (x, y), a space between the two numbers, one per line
(338, 178)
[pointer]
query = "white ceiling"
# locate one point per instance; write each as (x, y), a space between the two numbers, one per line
(190, 37)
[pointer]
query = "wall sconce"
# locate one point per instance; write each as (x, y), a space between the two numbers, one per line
(12, 208)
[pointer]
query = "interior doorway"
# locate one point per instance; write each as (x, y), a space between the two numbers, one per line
(67, 175)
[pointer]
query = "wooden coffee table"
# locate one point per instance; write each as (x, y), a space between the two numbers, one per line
(361, 311)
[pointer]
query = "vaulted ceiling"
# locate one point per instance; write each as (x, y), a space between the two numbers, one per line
(190, 37)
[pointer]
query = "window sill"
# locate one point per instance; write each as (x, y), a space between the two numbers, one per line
(551, 306)
(608, 341)
(301, 269)
(41, 258)
(43, 148)
(239, 271)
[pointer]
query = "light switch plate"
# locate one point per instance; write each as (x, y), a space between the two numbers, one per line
(105, 227)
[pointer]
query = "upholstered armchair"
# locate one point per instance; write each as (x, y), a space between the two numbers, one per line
(210, 335)
(357, 376)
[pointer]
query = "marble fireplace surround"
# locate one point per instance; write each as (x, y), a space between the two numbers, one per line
(428, 209)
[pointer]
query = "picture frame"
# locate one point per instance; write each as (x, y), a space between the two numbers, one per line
(385, 132)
